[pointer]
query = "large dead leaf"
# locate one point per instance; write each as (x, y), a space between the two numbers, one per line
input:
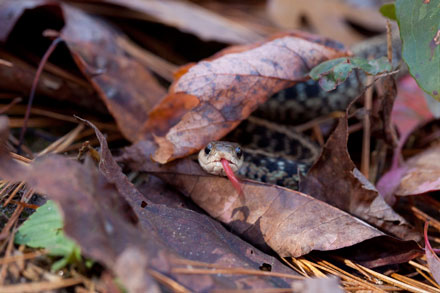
(328, 17)
(191, 18)
(335, 179)
(289, 222)
(154, 239)
(127, 88)
(213, 96)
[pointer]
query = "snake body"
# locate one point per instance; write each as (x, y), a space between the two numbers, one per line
(273, 151)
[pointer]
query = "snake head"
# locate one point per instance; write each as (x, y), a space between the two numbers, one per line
(210, 157)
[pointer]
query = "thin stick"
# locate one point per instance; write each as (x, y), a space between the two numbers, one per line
(10, 105)
(17, 258)
(40, 286)
(365, 162)
(424, 217)
(234, 271)
(394, 282)
(43, 61)
(414, 282)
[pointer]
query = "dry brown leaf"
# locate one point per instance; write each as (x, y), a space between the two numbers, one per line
(335, 179)
(127, 88)
(212, 97)
(190, 18)
(289, 222)
(152, 239)
(421, 173)
(328, 17)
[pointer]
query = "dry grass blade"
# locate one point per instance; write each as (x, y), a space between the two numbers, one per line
(21, 257)
(298, 268)
(13, 193)
(365, 162)
(394, 282)
(414, 283)
(326, 266)
(40, 286)
(60, 144)
(234, 271)
(160, 66)
(426, 218)
(168, 282)
(10, 105)
(428, 278)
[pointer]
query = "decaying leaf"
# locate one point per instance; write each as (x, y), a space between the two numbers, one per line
(335, 179)
(212, 97)
(128, 96)
(152, 238)
(289, 222)
(421, 173)
(188, 16)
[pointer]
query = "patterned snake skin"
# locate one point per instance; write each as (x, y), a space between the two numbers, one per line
(274, 152)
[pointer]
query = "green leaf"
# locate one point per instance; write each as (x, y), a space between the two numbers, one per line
(420, 33)
(44, 229)
(389, 11)
(333, 72)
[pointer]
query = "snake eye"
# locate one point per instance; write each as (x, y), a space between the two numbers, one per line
(208, 148)
(239, 152)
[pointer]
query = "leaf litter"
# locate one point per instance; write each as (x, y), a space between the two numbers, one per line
(143, 237)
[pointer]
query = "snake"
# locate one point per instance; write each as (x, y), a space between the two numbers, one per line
(266, 147)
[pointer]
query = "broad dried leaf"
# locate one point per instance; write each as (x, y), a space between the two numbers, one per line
(127, 88)
(334, 72)
(191, 18)
(289, 222)
(421, 173)
(328, 17)
(214, 96)
(104, 225)
(335, 179)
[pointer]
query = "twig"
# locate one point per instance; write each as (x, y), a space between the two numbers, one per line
(365, 162)
(40, 286)
(43, 61)
(10, 105)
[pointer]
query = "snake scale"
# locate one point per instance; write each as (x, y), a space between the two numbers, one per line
(273, 151)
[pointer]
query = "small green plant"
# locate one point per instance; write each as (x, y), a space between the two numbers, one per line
(333, 72)
(44, 229)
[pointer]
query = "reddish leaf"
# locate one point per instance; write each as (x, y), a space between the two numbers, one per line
(410, 108)
(289, 222)
(335, 179)
(212, 97)
(431, 257)
(409, 111)
(421, 173)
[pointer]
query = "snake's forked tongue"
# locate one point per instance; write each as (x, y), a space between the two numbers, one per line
(231, 176)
